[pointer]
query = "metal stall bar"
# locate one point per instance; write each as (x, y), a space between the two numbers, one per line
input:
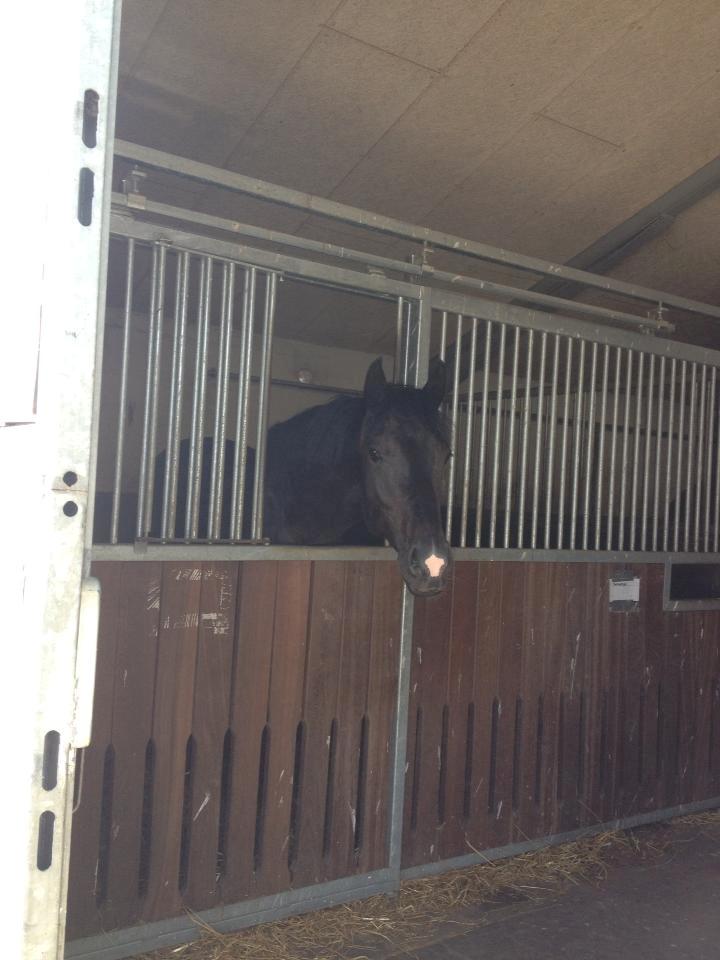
(122, 400)
(525, 431)
(197, 428)
(668, 465)
(498, 429)
(710, 442)
(454, 427)
(157, 304)
(613, 447)
(646, 465)
(636, 451)
(221, 402)
(511, 438)
(690, 460)
(469, 425)
(399, 346)
(716, 535)
(564, 444)
(578, 445)
(589, 451)
(538, 440)
(263, 404)
(169, 507)
(624, 466)
(237, 507)
(480, 502)
(422, 271)
(681, 441)
(601, 445)
(700, 456)
(437, 239)
(658, 449)
(551, 441)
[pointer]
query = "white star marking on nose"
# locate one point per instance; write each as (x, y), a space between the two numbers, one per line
(434, 565)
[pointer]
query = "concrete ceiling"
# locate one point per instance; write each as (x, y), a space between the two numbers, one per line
(537, 125)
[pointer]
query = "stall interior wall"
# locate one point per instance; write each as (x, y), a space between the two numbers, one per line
(242, 740)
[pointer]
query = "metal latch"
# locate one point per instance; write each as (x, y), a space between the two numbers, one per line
(88, 625)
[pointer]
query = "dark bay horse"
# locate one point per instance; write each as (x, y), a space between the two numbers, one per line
(355, 470)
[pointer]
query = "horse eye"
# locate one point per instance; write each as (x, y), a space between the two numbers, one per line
(374, 455)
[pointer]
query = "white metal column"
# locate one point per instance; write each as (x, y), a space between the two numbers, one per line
(59, 123)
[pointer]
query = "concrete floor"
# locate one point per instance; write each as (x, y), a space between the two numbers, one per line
(665, 908)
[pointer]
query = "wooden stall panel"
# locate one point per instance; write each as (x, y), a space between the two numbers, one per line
(580, 714)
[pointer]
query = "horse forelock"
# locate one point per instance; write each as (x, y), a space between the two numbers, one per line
(408, 406)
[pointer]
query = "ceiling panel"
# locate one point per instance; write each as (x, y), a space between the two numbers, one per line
(661, 59)
(429, 32)
(335, 105)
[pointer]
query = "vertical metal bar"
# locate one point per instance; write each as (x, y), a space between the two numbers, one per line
(699, 459)
(263, 405)
(454, 428)
(626, 437)
(479, 509)
(710, 443)
(511, 438)
(681, 442)
(498, 430)
(176, 397)
(691, 459)
(140, 528)
(399, 753)
(398, 359)
(613, 447)
(443, 334)
(406, 375)
(716, 535)
(241, 424)
(122, 400)
(524, 447)
(636, 450)
(563, 448)
(668, 461)
(538, 440)
(658, 447)
(198, 419)
(590, 442)
(646, 462)
(221, 401)
(601, 444)
(551, 440)
(578, 445)
(469, 432)
(152, 393)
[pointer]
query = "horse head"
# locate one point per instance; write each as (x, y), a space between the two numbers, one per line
(404, 451)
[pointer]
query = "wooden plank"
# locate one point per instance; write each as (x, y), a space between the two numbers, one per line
(248, 716)
(284, 712)
(319, 715)
(211, 716)
(350, 710)
(553, 634)
(380, 711)
(172, 726)
(83, 915)
(132, 710)
(652, 642)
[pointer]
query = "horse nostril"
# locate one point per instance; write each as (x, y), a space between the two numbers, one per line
(434, 565)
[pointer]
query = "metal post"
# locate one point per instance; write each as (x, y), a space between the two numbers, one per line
(237, 510)
(681, 442)
(601, 445)
(636, 450)
(468, 433)
(198, 415)
(498, 429)
(221, 400)
(646, 465)
(480, 503)
(122, 400)
(549, 479)
(658, 449)
(691, 452)
(668, 461)
(711, 440)
(263, 405)
(454, 427)
(526, 425)
(698, 464)
(589, 452)
(613, 447)
(578, 445)
(511, 438)
(176, 398)
(624, 467)
(538, 441)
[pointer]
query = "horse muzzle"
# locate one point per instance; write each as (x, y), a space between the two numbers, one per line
(426, 569)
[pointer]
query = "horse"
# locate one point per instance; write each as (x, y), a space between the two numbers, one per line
(359, 470)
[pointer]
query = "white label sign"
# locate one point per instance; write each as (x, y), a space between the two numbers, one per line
(624, 590)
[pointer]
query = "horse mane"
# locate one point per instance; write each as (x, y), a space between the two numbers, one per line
(326, 435)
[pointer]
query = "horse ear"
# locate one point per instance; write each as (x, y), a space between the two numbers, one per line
(375, 384)
(436, 386)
